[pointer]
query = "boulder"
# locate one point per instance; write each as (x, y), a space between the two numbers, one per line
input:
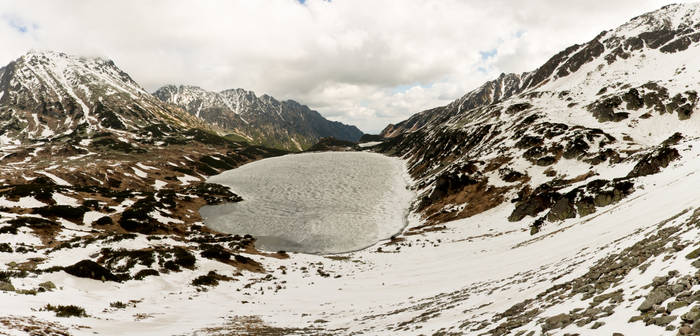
(91, 270)
(557, 322)
(655, 297)
(652, 163)
(562, 209)
(692, 315)
(48, 285)
(6, 286)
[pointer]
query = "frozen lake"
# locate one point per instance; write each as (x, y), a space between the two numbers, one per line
(328, 202)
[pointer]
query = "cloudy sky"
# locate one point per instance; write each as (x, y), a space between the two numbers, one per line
(364, 62)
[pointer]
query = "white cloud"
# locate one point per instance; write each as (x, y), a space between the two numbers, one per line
(365, 62)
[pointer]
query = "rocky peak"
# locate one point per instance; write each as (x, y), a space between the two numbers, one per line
(47, 93)
(62, 68)
(670, 17)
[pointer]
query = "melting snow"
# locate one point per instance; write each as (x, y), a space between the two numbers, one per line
(62, 199)
(158, 184)
(24, 202)
(91, 216)
(187, 179)
(370, 144)
(140, 173)
(55, 178)
(145, 167)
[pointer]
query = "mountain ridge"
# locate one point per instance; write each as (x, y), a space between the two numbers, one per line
(602, 103)
(261, 119)
(669, 29)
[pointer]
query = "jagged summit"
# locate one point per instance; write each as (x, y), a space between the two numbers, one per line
(259, 119)
(46, 93)
(669, 17)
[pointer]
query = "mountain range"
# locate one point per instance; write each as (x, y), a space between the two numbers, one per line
(260, 120)
(45, 94)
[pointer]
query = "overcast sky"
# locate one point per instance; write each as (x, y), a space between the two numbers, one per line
(363, 62)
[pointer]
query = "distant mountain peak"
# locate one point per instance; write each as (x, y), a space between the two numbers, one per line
(260, 119)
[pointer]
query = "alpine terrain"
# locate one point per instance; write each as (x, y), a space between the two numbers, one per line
(260, 120)
(561, 201)
(44, 94)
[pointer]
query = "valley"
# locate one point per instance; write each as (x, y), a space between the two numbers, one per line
(559, 201)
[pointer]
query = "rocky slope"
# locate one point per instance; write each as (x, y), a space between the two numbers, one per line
(599, 128)
(260, 120)
(97, 177)
(540, 138)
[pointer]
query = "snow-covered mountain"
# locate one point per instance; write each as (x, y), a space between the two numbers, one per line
(261, 120)
(587, 111)
(44, 94)
(651, 48)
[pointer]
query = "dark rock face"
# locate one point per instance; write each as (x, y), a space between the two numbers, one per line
(634, 101)
(91, 270)
(449, 183)
(510, 175)
(580, 201)
(137, 219)
(214, 193)
(215, 252)
(615, 107)
(655, 39)
(62, 211)
(605, 110)
(140, 275)
(332, 144)
(576, 148)
(673, 139)
(370, 137)
(515, 108)
(652, 163)
(541, 199)
(529, 141)
(592, 50)
(260, 120)
(504, 87)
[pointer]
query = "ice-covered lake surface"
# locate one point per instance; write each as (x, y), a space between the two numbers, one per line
(328, 202)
